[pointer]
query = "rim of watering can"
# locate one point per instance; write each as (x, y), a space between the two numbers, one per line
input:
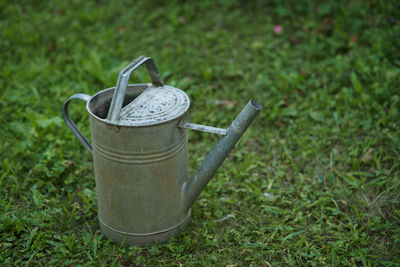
(141, 87)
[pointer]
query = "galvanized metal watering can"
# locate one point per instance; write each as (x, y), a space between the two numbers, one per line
(139, 148)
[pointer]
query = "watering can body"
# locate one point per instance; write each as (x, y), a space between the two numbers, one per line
(144, 192)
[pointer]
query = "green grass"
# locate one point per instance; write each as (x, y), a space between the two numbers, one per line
(314, 181)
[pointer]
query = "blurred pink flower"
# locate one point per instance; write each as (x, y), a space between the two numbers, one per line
(277, 28)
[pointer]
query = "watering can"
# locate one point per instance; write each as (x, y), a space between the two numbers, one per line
(139, 146)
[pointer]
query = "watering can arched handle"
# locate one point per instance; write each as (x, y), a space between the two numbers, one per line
(122, 83)
(71, 125)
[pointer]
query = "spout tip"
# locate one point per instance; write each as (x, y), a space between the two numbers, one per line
(257, 106)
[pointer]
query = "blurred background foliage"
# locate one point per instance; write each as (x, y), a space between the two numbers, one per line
(314, 181)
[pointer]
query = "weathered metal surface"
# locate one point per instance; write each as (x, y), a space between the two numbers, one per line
(141, 170)
(155, 105)
(139, 173)
(202, 128)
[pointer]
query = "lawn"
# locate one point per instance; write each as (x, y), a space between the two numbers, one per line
(314, 181)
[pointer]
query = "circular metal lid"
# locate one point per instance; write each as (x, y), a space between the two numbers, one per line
(157, 104)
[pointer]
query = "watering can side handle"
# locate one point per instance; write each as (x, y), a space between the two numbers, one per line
(71, 125)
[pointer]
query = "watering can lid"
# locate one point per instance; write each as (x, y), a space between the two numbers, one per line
(155, 105)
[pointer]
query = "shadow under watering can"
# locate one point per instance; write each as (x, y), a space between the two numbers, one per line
(140, 155)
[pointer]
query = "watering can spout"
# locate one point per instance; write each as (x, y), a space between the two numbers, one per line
(192, 189)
